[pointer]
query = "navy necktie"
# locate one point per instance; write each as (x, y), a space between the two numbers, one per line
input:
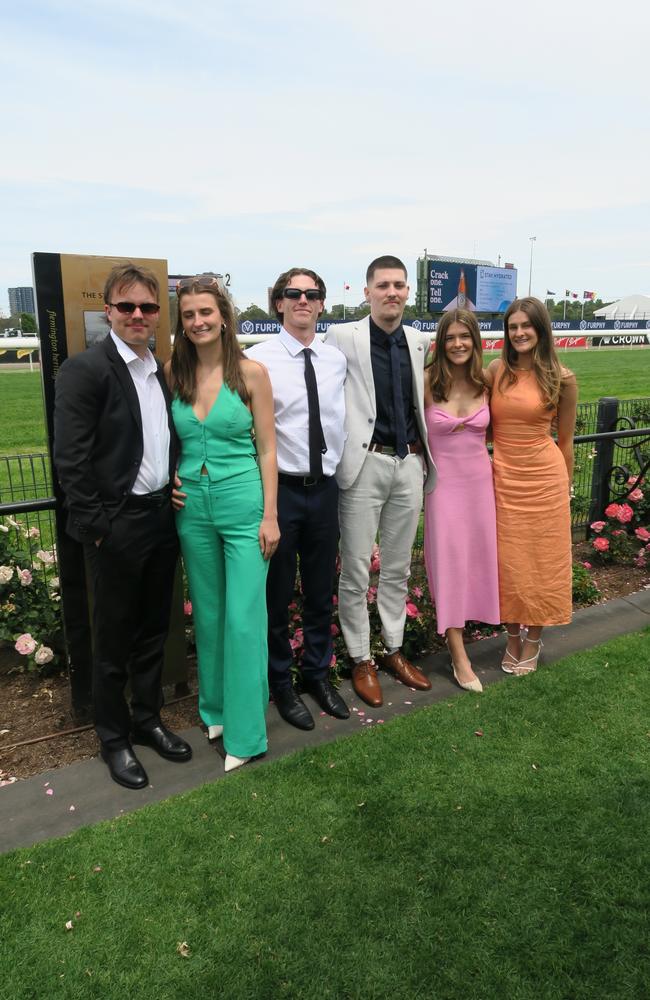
(401, 446)
(317, 446)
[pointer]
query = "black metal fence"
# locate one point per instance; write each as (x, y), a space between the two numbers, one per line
(612, 450)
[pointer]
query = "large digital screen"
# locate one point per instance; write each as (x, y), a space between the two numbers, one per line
(476, 287)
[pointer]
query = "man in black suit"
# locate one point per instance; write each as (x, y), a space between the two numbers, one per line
(115, 456)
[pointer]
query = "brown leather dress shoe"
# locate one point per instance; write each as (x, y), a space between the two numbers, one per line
(366, 684)
(397, 664)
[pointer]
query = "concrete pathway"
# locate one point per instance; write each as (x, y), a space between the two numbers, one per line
(58, 802)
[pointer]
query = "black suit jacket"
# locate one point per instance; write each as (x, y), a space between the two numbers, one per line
(98, 442)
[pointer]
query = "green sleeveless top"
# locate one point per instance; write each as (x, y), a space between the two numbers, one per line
(222, 442)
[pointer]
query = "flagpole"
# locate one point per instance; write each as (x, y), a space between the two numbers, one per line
(564, 316)
(344, 287)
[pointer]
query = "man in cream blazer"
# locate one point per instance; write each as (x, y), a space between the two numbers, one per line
(386, 464)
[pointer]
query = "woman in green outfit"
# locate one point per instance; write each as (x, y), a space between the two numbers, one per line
(228, 526)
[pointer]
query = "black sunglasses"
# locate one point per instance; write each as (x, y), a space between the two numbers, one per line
(146, 308)
(311, 294)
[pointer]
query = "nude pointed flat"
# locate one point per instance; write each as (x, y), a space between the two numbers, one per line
(232, 762)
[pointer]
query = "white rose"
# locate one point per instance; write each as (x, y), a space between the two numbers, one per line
(6, 573)
(43, 655)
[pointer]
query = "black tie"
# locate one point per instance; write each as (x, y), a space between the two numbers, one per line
(317, 446)
(401, 446)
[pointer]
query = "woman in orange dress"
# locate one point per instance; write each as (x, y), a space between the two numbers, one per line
(532, 481)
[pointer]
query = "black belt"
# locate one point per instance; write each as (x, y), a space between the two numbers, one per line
(415, 448)
(289, 480)
(156, 499)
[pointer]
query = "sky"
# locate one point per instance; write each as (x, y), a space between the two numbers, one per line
(247, 137)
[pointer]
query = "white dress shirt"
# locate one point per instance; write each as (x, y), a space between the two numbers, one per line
(153, 473)
(282, 356)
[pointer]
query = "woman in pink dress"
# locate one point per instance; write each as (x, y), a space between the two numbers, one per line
(460, 550)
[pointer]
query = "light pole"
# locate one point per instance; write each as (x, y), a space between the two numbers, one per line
(530, 273)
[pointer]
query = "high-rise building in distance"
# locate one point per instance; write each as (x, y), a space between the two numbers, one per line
(21, 300)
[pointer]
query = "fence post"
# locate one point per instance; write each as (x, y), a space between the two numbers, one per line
(605, 421)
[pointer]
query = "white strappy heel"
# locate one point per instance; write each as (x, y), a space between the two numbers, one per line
(509, 663)
(528, 665)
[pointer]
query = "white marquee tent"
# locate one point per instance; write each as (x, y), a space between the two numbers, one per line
(631, 307)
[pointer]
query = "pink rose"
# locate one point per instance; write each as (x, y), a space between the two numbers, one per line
(335, 600)
(625, 513)
(298, 636)
(45, 557)
(32, 533)
(617, 532)
(43, 655)
(187, 607)
(612, 510)
(417, 592)
(640, 562)
(643, 534)
(411, 610)
(334, 629)
(24, 576)
(636, 495)
(375, 559)
(597, 526)
(601, 544)
(25, 645)
(587, 565)
(333, 660)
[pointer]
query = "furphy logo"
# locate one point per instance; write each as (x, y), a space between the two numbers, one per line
(247, 326)
(617, 324)
(583, 324)
(417, 324)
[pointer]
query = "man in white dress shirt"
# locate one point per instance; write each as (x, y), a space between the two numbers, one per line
(115, 456)
(307, 378)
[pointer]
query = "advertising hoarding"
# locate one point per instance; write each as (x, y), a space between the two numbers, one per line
(470, 286)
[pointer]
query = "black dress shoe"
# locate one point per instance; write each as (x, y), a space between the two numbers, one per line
(328, 698)
(164, 742)
(125, 768)
(293, 709)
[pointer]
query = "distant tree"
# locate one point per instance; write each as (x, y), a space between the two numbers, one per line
(252, 312)
(28, 323)
(352, 313)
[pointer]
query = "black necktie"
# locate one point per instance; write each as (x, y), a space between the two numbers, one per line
(401, 447)
(317, 446)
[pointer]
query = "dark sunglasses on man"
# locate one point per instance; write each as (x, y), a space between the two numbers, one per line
(311, 294)
(128, 308)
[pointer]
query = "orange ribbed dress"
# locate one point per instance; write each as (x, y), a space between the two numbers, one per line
(531, 487)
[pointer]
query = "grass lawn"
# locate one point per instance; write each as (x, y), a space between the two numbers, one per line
(489, 847)
(622, 373)
(22, 419)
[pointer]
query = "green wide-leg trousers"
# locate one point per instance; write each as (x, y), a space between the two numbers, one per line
(219, 535)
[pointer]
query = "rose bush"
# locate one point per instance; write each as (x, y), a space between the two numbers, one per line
(616, 539)
(30, 613)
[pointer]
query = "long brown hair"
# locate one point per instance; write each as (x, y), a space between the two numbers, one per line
(440, 377)
(184, 358)
(546, 365)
